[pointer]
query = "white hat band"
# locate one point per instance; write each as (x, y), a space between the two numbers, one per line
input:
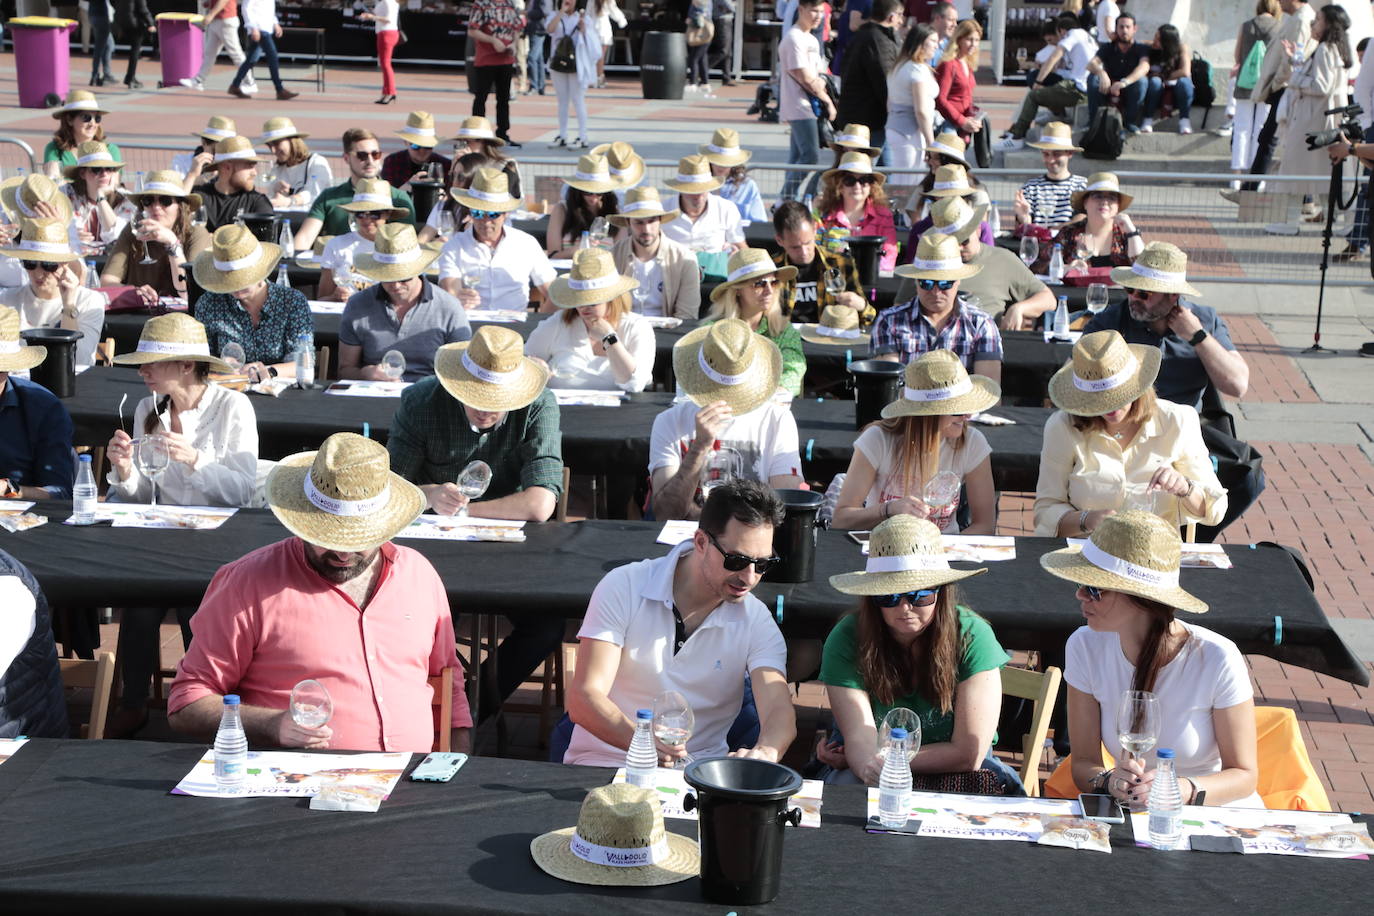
(724, 150)
(371, 199)
(1056, 140)
(10, 346)
(172, 348)
(1128, 570)
(616, 171)
(82, 105)
(939, 394)
(162, 187)
(488, 196)
(245, 154)
(44, 247)
(397, 257)
(1115, 380)
(23, 207)
(753, 267)
(591, 176)
(421, 131)
(219, 133)
(345, 507)
(94, 157)
(635, 206)
(956, 225)
(1103, 186)
(1163, 276)
(279, 133)
(950, 185)
(594, 282)
(825, 331)
(720, 378)
(473, 133)
(947, 150)
(850, 138)
(239, 263)
(693, 179)
(906, 563)
(943, 264)
(490, 376)
(618, 856)
(857, 169)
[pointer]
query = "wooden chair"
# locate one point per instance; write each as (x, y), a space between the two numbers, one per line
(1041, 688)
(105, 352)
(560, 514)
(322, 364)
(97, 676)
(442, 685)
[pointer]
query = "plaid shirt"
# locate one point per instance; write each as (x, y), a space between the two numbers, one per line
(971, 334)
(824, 298)
(431, 442)
(398, 168)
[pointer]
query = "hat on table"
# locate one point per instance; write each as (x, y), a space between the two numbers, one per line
(41, 240)
(15, 355)
(950, 144)
(593, 175)
(950, 181)
(727, 361)
(1104, 374)
(855, 163)
(78, 101)
(476, 128)
(937, 385)
(855, 137)
(396, 255)
(490, 371)
(954, 216)
(693, 176)
(905, 553)
(164, 183)
(176, 336)
(627, 167)
(91, 154)
(1161, 268)
(724, 149)
(1101, 181)
(1056, 135)
(839, 327)
(18, 196)
(236, 260)
(490, 190)
(218, 128)
(593, 280)
(747, 265)
(937, 258)
(371, 194)
(274, 129)
(642, 203)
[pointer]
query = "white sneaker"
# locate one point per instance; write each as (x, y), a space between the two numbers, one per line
(1185, 126)
(1147, 126)
(1009, 144)
(1224, 130)
(579, 144)
(708, 94)
(193, 82)
(249, 87)
(1281, 229)
(558, 143)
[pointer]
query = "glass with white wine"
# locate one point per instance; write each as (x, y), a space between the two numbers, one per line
(673, 723)
(1137, 722)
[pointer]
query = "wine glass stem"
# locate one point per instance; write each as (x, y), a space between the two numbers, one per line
(153, 503)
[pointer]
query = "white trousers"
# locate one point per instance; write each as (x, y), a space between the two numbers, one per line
(221, 33)
(1246, 125)
(569, 89)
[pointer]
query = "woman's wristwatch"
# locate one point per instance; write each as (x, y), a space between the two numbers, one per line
(1101, 781)
(610, 340)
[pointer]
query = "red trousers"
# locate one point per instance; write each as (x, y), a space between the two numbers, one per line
(386, 43)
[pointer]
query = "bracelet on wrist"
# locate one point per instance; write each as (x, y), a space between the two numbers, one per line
(1083, 520)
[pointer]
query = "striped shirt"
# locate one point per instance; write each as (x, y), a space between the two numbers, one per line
(971, 334)
(1052, 196)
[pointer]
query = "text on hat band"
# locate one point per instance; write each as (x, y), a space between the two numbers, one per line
(93, 157)
(961, 387)
(397, 257)
(1128, 570)
(618, 857)
(956, 225)
(610, 279)
(240, 263)
(490, 376)
(347, 508)
(45, 247)
(1163, 276)
(724, 150)
(245, 153)
(950, 185)
(162, 187)
(589, 176)
(827, 331)
(383, 199)
(173, 348)
(753, 267)
(10, 346)
(1115, 380)
(720, 378)
(488, 196)
(278, 133)
(699, 178)
(942, 264)
(850, 138)
(220, 133)
(906, 563)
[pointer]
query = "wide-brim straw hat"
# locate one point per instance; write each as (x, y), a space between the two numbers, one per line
(176, 336)
(419, 129)
(1054, 136)
(1161, 268)
(1102, 181)
(727, 361)
(623, 824)
(78, 102)
(164, 183)
(593, 175)
(905, 553)
(693, 176)
(838, 327)
(937, 258)
(274, 129)
(593, 280)
(236, 260)
(41, 240)
(374, 194)
(855, 137)
(724, 149)
(475, 128)
(490, 190)
(1104, 374)
(491, 371)
(642, 203)
(234, 149)
(344, 496)
(217, 128)
(955, 216)
(626, 166)
(92, 154)
(950, 181)
(747, 265)
(950, 144)
(937, 385)
(396, 255)
(15, 354)
(19, 194)
(855, 163)
(1135, 552)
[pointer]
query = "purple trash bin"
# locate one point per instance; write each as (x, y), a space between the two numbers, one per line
(41, 58)
(181, 43)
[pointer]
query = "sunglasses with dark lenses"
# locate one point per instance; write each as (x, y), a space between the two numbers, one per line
(1094, 593)
(734, 562)
(418, 146)
(101, 169)
(88, 118)
(368, 214)
(931, 284)
(368, 153)
(160, 199)
(920, 598)
(766, 282)
(486, 214)
(852, 180)
(45, 265)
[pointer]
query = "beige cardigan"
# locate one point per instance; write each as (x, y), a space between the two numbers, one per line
(681, 275)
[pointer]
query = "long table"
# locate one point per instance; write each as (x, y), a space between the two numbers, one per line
(91, 823)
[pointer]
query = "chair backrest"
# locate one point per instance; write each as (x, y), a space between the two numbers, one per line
(560, 514)
(105, 352)
(1041, 688)
(442, 685)
(98, 677)
(322, 364)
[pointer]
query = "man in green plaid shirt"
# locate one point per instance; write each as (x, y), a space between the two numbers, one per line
(804, 298)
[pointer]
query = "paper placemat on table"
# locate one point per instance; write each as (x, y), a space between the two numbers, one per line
(676, 530)
(974, 817)
(1072, 339)
(295, 775)
(10, 746)
(1259, 831)
(498, 316)
(464, 528)
(573, 397)
(142, 515)
(326, 307)
(987, 419)
(662, 321)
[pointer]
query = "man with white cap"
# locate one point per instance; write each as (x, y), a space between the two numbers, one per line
(668, 275)
(337, 602)
(363, 156)
(234, 189)
(491, 264)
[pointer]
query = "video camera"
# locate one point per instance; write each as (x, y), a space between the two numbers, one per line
(1348, 130)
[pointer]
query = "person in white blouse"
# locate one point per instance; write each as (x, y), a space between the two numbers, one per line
(597, 342)
(492, 265)
(54, 296)
(386, 15)
(370, 210)
(297, 176)
(606, 12)
(707, 222)
(264, 28)
(100, 210)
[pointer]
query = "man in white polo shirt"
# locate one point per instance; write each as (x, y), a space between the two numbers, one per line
(706, 221)
(491, 265)
(687, 622)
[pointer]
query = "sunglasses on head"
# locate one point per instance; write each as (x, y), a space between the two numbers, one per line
(368, 154)
(160, 199)
(486, 214)
(49, 266)
(852, 180)
(88, 118)
(734, 562)
(767, 282)
(931, 284)
(920, 598)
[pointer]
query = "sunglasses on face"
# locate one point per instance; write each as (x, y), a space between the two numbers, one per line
(159, 199)
(101, 169)
(417, 146)
(366, 154)
(734, 562)
(920, 598)
(1093, 592)
(850, 181)
(88, 118)
(44, 265)
(766, 282)
(368, 214)
(485, 214)
(932, 284)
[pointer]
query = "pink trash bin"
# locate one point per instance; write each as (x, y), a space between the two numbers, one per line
(182, 46)
(41, 58)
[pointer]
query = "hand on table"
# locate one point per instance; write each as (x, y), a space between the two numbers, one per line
(289, 734)
(374, 374)
(257, 372)
(147, 294)
(755, 753)
(444, 498)
(1015, 318)
(469, 298)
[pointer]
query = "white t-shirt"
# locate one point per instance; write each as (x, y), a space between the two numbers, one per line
(1079, 50)
(19, 620)
(881, 450)
(718, 224)
(648, 296)
(901, 110)
(47, 313)
(1107, 11)
(567, 349)
(390, 10)
(502, 275)
(798, 50)
(341, 253)
(632, 608)
(765, 440)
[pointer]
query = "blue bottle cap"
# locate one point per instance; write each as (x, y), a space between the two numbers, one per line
(649, 714)
(85, 459)
(899, 734)
(232, 699)
(1165, 753)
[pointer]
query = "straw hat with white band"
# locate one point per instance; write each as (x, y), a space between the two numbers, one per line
(727, 361)
(41, 240)
(593, 280)
(619, 840)
(236, 260)
(937, 385)
(419, 129)
(1161, 268)
(490, 372)
(627, 167)
(1056, 135)
(343, 497)
(855, 137)
(396, 255)
(950, 144)
(79, 101)
(953, 216)
(237, 149)
(91, 154)
(937, 258)
(164, 183)
(593, 175)
(476, 128)
(905, 553)
(838, 327)
(490, 190)
(950, 181)
(217, 128)
(855, 163)
(19, 196)
(724, 149)
(274, 129)
(642, 203)
(693, 176)
(747, 265)
(374, 194)
(1102, 181)
(15, 355)
(1135, 552)
(1105, 374)
(176, 336)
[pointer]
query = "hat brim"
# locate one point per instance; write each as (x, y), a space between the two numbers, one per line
(349, 533)
(703, 391)
(428, 141)
(69, 171)
(724, 161)
(472, 391)
(810, 335)
(787, 272)
(846, 147)
(1068, 563)
(911, 272)
(370, 267)
(878, 177)
(365, 207)
(985, 394)
(21, 254)
(634, 174)
(949, 192)
(565, 297)
(9, 200)
(1124, 199)
(696, 187)
(1124, 276)
(623, 219)
(211, 278)
(553, 853)
(59, 112)
(492, 139)
(265, 139)
(142, 359)
(980, 213)
(1070, 399)
(1055, 147)
(26, 358)
(593, 187)
(949, 153)
(253, 157)
(475, 203)
(890, 583)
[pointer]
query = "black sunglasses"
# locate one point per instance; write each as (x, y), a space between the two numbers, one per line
(931, 284)
(162, 199)
(49, 266)
(920, 598)
(852, 180)
(368, 153)
(369, 214)
(418, 146)
(1094, 593)
(734, 562)
(767, 282)
(88, 118)
(101, 169)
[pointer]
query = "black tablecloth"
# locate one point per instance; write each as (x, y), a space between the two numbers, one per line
(90, 827)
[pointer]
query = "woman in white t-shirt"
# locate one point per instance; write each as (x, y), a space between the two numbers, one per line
(911, 92)
(924, 434)
(1127, 575)
(387, 16)
(370, 210)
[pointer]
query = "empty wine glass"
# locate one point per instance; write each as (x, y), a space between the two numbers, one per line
(901, 717)
(941, 490)
(200, 217)
(673, 723)
(598, 231)
(723, 465)
(138, 182)
(232, 354)
(311, 705)
(473, 481)
(152, 459)
(1137, 722)
(1030, 249)
(393, 365)
(1021, 57)
(834, 281)
(445, 221)
(141, 217)
(1140, 497)
(1098, 297)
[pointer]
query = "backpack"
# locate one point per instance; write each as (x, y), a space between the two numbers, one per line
(1103, 139)
(1204, 95)
(1250, 70)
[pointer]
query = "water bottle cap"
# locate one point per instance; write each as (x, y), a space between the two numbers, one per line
(898, 734)
(85, 459)
(649, 714)
(232, 699)
(1165, 753)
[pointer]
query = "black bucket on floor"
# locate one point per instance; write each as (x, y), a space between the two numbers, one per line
(57, 372)
(795, 539)
(663, 73)
(877, 383)
(866, 251)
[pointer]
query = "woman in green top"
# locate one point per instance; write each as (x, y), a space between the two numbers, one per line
(78, 122)
(751, 292)
(912, 645)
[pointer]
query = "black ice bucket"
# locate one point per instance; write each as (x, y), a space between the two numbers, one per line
(262, 225)
(795, 539)
(877, 383)
(57, 372)
(865, 250)
(424, 193)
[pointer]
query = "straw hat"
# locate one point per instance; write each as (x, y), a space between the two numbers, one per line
(838, 327)
(218, 128)
(937, 385)
(1134, 552)
(419, 130)
(490, 190)
(905, 553)
(490, 371)
(15, 355)
(235, 148)
(954, 216)
(91, 154)
(1102, 181)
(620, 824)
(476, 128)
(19, 195)
(726, 361)
(593, 280)
(950, 181)
(642, 203)
(1160, 268)
(236, 260)
(855, 137)
(374, 194)
(856, 164)
(1105, 374)
(693, 176)
(1056, 135)
(593, 175)
(175, 336)
(164, 182)
(937, 258)
(396, 255)
(747, 265)
(724, 149)
(79, 100)
(41, 240)
(627, 168)
(950, 144)
(343, 497)
(274, 129)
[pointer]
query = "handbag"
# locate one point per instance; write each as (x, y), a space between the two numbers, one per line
(700, 34)
(564, 58)
(974, 782)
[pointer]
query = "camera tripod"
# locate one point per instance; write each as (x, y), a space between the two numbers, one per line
(1333, 193)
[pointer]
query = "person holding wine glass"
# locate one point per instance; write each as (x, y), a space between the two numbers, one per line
(449, 217)
(591, 194)
(1128, 588)
(667, 273)
(369, 210)
(100, 209)
(54, 296)
(510, 265)
(1105, 237)
(154, 249)
(1047, 200)
(297, 175)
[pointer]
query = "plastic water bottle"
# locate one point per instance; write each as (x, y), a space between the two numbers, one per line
(231, 747)
(894, 783)
(807, 202)
(641, 760)
(1061, 319)
(305, 362)
(84, 493)
(92, 276)
(585, 242)
(1057, 264)
(1166, 803)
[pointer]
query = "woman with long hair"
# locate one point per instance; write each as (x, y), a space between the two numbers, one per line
(1249, 112)
(954, 77)
(449, 216)
(297, 176)
(852, 201)
(78, 122)
(476, 135)
(607, 12)
(590, 195)
(729, 164)
(752, 294)
(162, 231)
(570, 22)
(100, 209)
(911, 92)
(1171, 64)
(1106, 236)
(368, 211)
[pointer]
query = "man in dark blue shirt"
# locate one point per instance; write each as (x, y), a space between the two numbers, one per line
(1120, 71)
(36, 460)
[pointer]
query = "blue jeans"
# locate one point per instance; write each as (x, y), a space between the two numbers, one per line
(1358, 236)
(1009, 778)
(805, 149)
(102, 41)
(1132, 100)
(534, 62)
(1183, 97)
(265, 46)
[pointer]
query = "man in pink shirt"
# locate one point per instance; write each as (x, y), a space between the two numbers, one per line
(338, 603)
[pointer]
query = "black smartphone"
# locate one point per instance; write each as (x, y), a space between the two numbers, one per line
(1102, 808)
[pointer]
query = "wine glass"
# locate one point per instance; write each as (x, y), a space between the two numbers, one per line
(393, 365)
(834, 281)
(1030, 249)
(1021, 57)
(901, 717)
(152, 459)
(723, 465)
(201, 217)
(1098, 297)
(598, 231)
(673, 723)
(138, 182)
(232, 354)
(1137, 722)
(473, 481)
(141, 217)
(445, 221)
(1139, 497)
(311, 705)
(941, 490)
(1044, 213)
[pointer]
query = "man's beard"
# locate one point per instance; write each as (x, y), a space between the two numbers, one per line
(339, 574)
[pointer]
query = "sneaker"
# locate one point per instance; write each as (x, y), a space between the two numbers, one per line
(1009, 144)
(1281, 229)
(708, 94)
(510, 144)
(1132, 130)
(193, 82)
(558, 143)
(1231, 194)
(250, 88)
(1185, 126)
(1351, 254)
(1367, 349)
(579, 144)
(1224, 130)
(1147, 126)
